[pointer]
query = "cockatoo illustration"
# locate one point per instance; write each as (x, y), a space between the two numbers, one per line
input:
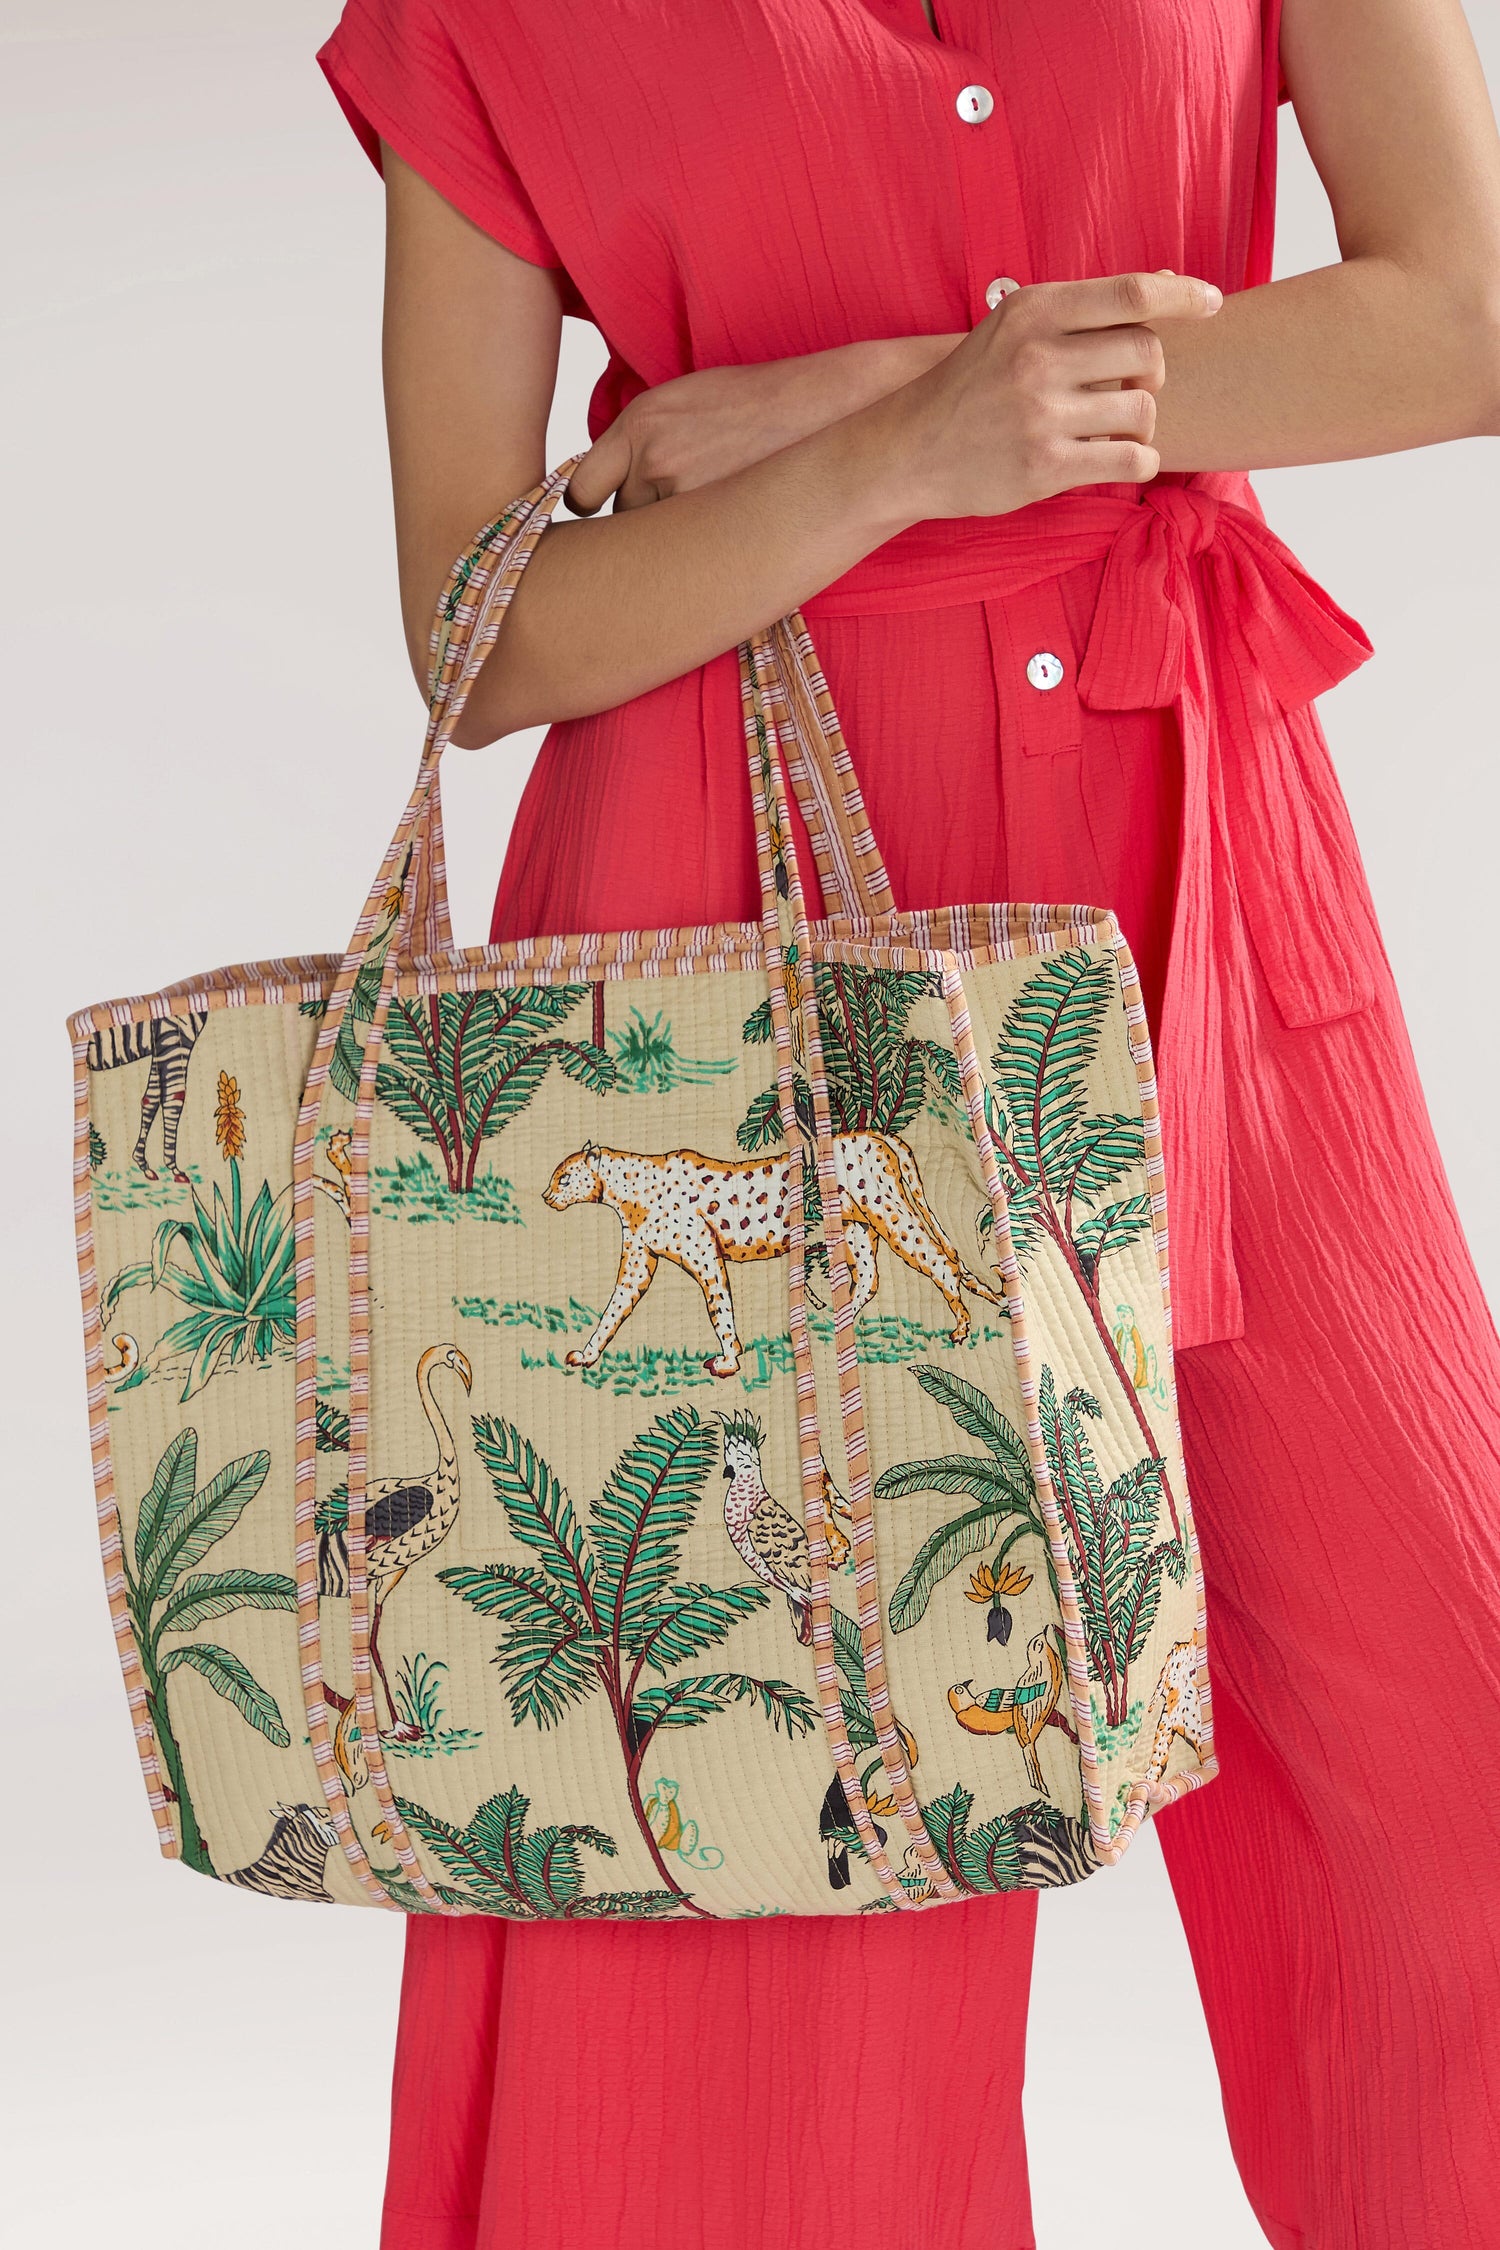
(768, 1539)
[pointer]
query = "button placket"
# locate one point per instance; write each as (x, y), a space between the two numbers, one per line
(989, 189)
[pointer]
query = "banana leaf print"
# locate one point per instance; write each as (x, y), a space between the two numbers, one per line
(167, 1595)
(1062, 1164)
(498, 1868)
(1118, 1563)
(998, 1483)
(879, 1074)
(602, 1610)
(458, 1067)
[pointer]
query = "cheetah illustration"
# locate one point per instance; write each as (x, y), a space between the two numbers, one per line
(702, 1214)
(1181, 1709)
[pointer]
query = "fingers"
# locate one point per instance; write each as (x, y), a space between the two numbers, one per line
(1112, 301)
(601, 472)
(1104, 414)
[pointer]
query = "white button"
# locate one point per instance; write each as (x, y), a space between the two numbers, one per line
(1045, 670)
(975, 104)
(1000, 289)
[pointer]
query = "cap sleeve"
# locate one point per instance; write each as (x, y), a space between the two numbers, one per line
(401, 77)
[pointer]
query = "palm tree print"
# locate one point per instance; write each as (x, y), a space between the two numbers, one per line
(879, 1074)
(167, 1596)
(1060, 1162)
(498, 1868)
(1118, 1563)
(603, 1611)
(460, 1066)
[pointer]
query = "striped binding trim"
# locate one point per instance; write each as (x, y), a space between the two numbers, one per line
(111, 1533)
(462, 635)
(1010, 1271)
(825, 1666)
(1141, 1799)
(469, 612)
(786, 923)
(822, 774)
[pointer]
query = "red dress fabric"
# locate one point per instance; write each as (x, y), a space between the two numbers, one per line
(764, 177)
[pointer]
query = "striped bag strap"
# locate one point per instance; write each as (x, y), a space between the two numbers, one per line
(851, 871)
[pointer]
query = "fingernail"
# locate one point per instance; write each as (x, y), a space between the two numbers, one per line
(1214, 294)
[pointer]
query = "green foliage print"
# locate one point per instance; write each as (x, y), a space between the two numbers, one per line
(602, 1610)
(665, 1370)
(647, 1061)
(416, 1695)
(457, 1067)
(997, 1483)
(1033, 1847)
(229, 1263)
(1118, 1563)
(168, 1596)
(413, 1188)
(498, 1868)
(1062, 1163)
(879, 1075)
(346, 1059)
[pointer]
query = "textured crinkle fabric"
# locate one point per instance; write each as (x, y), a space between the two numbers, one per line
(763, 177)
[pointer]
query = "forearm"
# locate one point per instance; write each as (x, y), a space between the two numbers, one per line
(1369, 356)
(610, 609)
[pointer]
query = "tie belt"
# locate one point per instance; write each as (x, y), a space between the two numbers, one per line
(1203, 609)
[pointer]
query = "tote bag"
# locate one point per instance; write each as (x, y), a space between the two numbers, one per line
(677, 1423)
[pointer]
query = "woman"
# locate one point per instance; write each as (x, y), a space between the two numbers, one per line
(885, 284)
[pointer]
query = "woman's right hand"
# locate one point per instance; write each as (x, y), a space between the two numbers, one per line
(1054, 389)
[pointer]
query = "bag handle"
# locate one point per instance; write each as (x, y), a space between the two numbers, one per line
(775, 720)
(851, 872)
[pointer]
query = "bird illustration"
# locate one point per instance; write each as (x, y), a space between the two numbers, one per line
(767, 1538)
(1022, 1710)
(348, 1746)
(337, 1191)
(406, 1517)
(839, 1835)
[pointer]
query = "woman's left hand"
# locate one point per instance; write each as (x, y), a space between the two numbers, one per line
(701, 427)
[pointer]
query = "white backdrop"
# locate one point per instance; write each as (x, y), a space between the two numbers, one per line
(204, 766)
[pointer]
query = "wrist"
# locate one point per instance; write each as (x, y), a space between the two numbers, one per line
(890, 451)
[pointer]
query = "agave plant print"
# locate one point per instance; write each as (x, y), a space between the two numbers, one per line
(228, 1262)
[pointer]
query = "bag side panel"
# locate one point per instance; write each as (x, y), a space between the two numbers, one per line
(191, 1364)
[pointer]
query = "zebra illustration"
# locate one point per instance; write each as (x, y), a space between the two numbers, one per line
(166, 1044)
(296, 1854)
(1054, 1850)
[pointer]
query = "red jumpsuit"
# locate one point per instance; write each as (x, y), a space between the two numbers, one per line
(738, 180)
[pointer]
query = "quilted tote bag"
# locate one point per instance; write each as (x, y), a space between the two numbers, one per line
(674, 1423)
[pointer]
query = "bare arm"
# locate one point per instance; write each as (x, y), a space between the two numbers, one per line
(1026, 405)
(1399, 344)
(772, 481)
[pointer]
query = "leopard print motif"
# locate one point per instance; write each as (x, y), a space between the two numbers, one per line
(704, 1215)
